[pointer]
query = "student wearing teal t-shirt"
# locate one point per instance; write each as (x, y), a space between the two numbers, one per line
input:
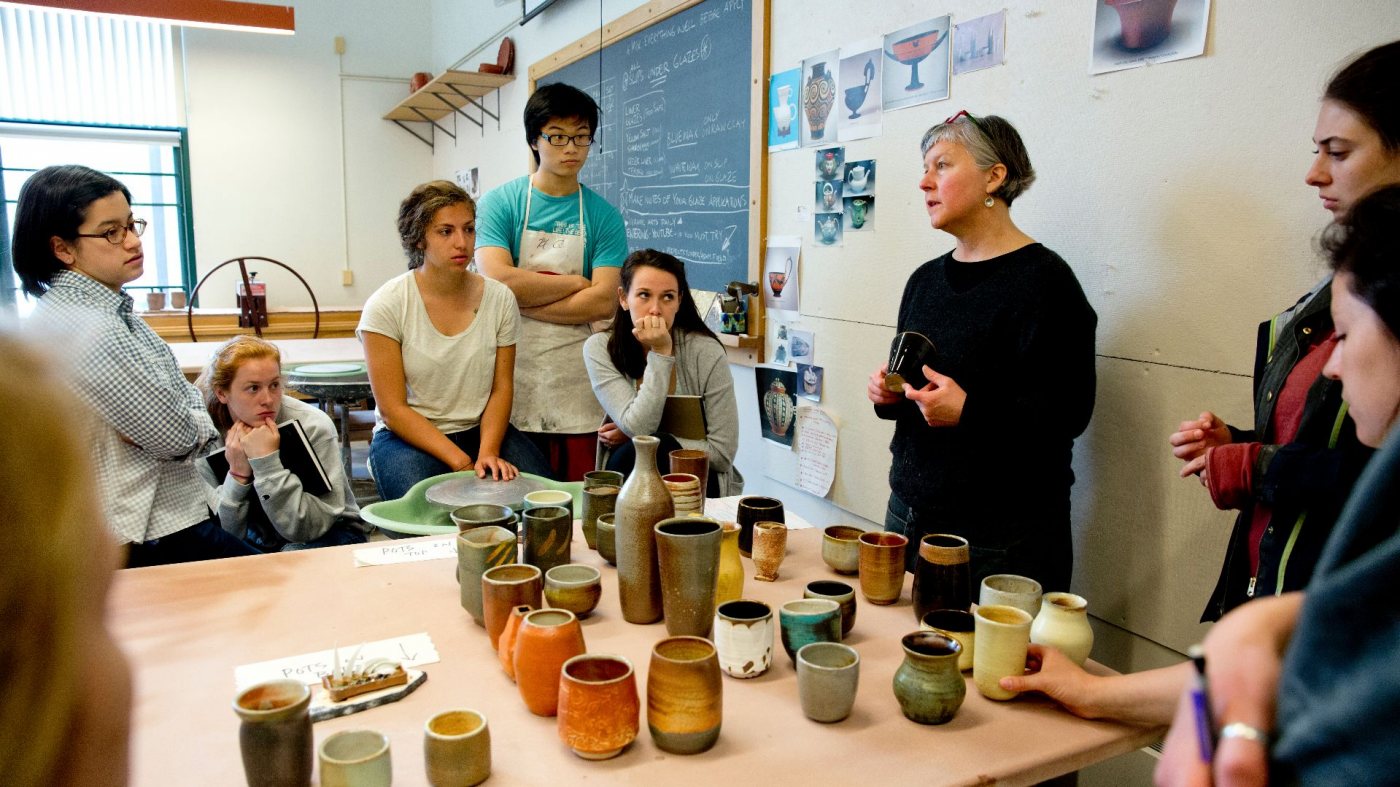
(558, 246)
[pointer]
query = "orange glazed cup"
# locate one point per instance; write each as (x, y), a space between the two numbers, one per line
(547, 639)
(599, 710)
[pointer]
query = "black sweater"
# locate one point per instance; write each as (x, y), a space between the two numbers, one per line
(1017, 333)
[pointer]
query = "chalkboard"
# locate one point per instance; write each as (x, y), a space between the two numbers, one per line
(676, 148)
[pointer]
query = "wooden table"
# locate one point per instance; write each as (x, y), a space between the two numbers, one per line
(193, 356)
(187, 627)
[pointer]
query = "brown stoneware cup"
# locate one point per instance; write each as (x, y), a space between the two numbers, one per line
(684, 697)
(504, 588)
(599, 711)
(882, 566)
(695, 462)
(457, 748)
(769, 549)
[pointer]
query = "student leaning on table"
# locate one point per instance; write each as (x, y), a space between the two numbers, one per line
(65, 710)
(76, 244)
(440, 346)
(260, 501)
(659, 345)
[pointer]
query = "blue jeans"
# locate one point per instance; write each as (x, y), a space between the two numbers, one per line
(204, 541)
(397, 466)
(341, 533)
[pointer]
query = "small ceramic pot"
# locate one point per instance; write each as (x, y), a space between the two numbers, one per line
(755, 509)
(603, 478)
(685, 700)
(574, 587)
(418, 81)
(597, 500)
(729, 585)
(476, 515)
(478, 550)
(696, 463)
(607, 538)
(549, 532)
(505, 648)
(275, 733)
(685, 493)
(1011, 590)
(842, 594)
(547, 639)
(356, 758)
(958, 624)
(841, 548)
(179, 299)
(743, 636)
(502, 589)
(687, 553)
(155, 300)
(806, 621)
(457, 748)
(1002, 636)
(1063, 624)
(827, 676)
(882, 566)
(928, 685)
(942, 575)
(599, 712)
(769, 549)
(540, 498)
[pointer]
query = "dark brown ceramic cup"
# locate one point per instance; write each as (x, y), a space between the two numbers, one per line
(909, 353)
(755, 509)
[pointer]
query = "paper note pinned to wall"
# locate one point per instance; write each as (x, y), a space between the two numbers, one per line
(816, 450)
(411, 651)
(411, 552)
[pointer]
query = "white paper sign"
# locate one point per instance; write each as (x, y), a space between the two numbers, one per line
(816, 450)
(412, 651)
(412, 552)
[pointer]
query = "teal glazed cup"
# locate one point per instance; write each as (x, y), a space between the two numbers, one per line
(806, 621)
(842, 594)
(827, 676)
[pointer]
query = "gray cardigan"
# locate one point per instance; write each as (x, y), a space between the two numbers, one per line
(702, 369)
(298, 516)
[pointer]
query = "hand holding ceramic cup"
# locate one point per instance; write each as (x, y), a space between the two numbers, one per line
(457, 748)
(1002, 636)
(882, 566)
(769, 549)
(1011, 590)
(743, 637)
(827, 676)
(755, 509)
(598, 705)
(275, 733)
(356, 758)
(909, 353)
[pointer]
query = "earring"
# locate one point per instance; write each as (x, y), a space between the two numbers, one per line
(989, 201)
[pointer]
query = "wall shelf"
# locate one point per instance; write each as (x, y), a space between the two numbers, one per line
(448, 93)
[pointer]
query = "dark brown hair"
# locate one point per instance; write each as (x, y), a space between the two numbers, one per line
(417, 210)
(628, 354)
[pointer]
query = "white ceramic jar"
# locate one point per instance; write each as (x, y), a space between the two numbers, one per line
(1063, 624)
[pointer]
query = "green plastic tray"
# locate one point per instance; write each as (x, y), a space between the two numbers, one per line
(413, 515)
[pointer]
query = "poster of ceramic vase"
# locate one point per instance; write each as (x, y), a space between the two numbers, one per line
(979, 43)
(809, 381)
(780, 257)
(784, 110)
(859, 213)
(803, 345)
(917, 64)
(1133, 33)
(859, 113)
(777, 403)
(819, 102)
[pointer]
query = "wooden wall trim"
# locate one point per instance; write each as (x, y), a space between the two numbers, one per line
(218, 324)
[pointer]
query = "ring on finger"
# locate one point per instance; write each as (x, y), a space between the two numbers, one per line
(1238, 729)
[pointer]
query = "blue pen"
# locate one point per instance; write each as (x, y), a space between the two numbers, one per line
(1200, 699)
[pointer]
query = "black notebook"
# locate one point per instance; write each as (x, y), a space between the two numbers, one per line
(297, 456)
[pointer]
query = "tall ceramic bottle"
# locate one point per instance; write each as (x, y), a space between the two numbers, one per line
(643, 501)
(1063, 623)
(730, 583)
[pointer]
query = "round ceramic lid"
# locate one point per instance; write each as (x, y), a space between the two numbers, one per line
(327, 369)
(457, 492)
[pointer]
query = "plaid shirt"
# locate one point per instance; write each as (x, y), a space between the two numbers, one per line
(151, 423)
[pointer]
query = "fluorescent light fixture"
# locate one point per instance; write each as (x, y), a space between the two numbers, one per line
(216, 14)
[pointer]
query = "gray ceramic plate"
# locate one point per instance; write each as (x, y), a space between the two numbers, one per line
(457, 492)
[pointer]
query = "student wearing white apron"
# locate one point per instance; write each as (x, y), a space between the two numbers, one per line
(558, 246)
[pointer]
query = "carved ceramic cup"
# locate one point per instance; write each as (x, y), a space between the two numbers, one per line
(599, 710)
(743, 635)
(882, 566)
(275, 734)
(769, 549)
(478, 550)
(356, 758)
(457, 748)
(841, 548)
(504, 588)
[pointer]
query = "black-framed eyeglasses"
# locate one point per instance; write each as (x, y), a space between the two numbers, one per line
(117, 235)
(560, 140)
(963, 113)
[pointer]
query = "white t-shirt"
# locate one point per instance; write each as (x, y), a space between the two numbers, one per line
(448, 377)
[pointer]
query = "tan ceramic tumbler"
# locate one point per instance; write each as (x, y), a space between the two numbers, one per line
(504, 588)
(769, 549)
(1002, 636)
(697, 463)
(457, 748)
(882, 566)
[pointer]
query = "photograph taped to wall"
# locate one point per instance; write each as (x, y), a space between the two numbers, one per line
(859, 114)
(777, 403)
(819, 98)
(1134, 33)
(784, 112)
(829, 162)
(917, 64)
(826, 228)
(803, 345)
(979, 43)
(859, 213)
(827, 196)
(809, 381)
(780, 269)
(859, 177)
(781, 355)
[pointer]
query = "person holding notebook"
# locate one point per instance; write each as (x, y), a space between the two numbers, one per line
(258, 498)
(659, 348)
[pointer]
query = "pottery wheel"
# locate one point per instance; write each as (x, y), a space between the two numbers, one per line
(457, 492)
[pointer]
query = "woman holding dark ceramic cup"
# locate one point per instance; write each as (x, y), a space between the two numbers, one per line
(983, 450)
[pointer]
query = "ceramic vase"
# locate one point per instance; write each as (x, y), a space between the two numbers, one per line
(599, 710)
(743, 637)
(828, 674)
(695, 462)
(1063, 624)
(769, 549)
(942, 574)
(505, 645)
(778, 406)
(597, 500)
(502, 589)
(685, 493)
(547, 639)
(457, 748)
(841, 548)
(882, 566)
(685, 699)
(808, 620)
(643, 501)
(687, 551)
(549, 532)
(479, 550)
(817, 98)
(755, 509)
(274, 733)
(842, 594)
(1002, 635)
(607, 538)
(928, 685)
(729, 585)
(575, 587)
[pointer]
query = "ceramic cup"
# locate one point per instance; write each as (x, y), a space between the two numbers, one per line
(470, 517)
(842, 594)
(607, 538)
(550, 497)
(957, 624)
(502, 589)
(755, 509)
(827, 676)
(1002, 636)
(155, 300)
(597, 500)
(356, 758)
(1011, 590)
(841, 548)
(179, 299)
(547, 639)
(549, 533)
(685, 699)
(743, 636)
(882, 566)
(574, 587)
(806, 621)
(480, 549)
(275, 733)
(505, 646)
(685, 493)
(909, 353)
(599, 709)
(603, 478)
(457, 748)
(942, 576)
(695, 462)
(769, 549)
(687, 553)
